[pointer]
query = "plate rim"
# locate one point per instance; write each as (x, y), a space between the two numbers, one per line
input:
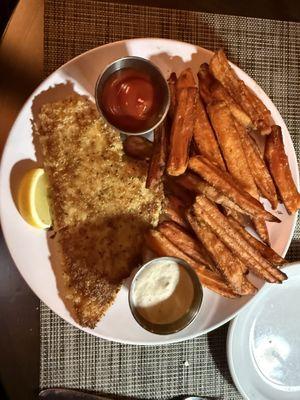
(73, 322)
(230, 336)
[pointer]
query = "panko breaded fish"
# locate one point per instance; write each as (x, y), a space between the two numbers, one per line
(99, 204)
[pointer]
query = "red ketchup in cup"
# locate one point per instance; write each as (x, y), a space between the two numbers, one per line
(131, 100)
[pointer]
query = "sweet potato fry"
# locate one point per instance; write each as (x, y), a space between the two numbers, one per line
(193, 149)
(279, 167)
(241, 219)
(239, 154)
(138, 147)
(212, 90)
(219, 93)
(248, 287)
(173, 101)
(207, 212)
(247, 100)
(225, 184)
(182, 131)
(261, 229)
(267, 252)
(186, 243)
(265, 122)
(175, 210)
(259, 169)
(172, 187)
(185, 79)
(159, 155)
(195, 184)
(257, 269)
(231, 146)
(160, 245)
(204, 137)
(227, 263)
(205, 82)
(199, 186)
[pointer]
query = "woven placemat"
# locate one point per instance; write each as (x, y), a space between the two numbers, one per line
(269, 52)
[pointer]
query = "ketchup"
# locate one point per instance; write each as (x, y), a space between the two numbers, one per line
(131, 100)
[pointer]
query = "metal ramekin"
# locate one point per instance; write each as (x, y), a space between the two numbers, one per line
(140, 64)
(183, 322)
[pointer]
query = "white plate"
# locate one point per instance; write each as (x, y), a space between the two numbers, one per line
(263, 343)
(28, 245)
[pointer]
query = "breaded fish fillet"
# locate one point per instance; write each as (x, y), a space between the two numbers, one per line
(99, 204)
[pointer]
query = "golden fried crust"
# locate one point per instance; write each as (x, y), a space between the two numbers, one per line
(161, 246)
(182, 131)
(225, 184)
(279, 167)
(98, 201)
(88, 290)
(204, 136)
(231, 146)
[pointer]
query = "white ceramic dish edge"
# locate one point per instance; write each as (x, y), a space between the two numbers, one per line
(291, 156)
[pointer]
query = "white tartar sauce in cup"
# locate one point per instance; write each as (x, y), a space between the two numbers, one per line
(163, 292)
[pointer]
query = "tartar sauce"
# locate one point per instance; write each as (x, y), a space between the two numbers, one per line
(163, 292)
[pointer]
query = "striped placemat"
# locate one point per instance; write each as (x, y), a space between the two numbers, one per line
(269, 51)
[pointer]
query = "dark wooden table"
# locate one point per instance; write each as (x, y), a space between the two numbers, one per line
(19, 307)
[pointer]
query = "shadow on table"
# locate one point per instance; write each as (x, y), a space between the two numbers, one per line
(217, 346)
(168, 62)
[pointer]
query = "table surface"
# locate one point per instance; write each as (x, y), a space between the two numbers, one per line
(21, 69)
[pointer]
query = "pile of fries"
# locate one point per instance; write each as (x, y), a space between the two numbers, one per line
(214, 174)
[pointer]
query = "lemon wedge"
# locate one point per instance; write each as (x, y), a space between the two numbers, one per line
(33, 199)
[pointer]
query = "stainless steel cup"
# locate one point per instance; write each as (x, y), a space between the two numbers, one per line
(185, 320)
(140, 64)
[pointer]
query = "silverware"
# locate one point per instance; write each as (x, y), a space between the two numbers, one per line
(67, 394)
